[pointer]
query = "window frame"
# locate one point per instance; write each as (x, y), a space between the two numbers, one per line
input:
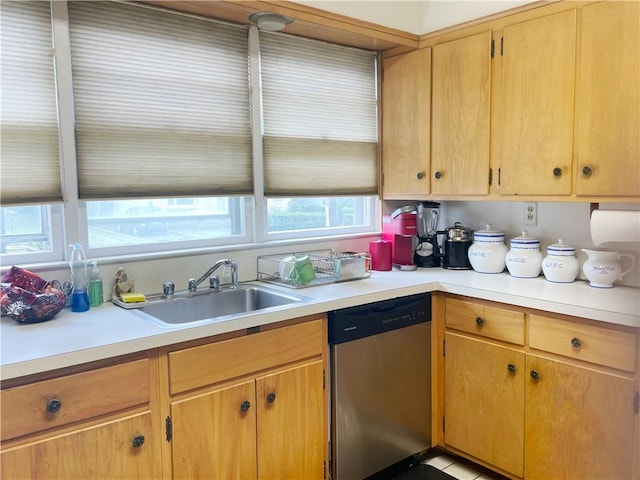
(69, 219)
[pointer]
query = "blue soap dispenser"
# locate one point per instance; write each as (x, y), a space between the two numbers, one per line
(78, 264)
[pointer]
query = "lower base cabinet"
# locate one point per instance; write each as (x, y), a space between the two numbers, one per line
(121, 449)
(269, 427)
(249, 407)
(243, 406)
(578, 422)
(484, 401)
(95, 423)
(562, 405)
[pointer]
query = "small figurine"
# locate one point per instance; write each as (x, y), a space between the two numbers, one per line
(122, 283)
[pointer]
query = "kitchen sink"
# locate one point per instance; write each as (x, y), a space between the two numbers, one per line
(215, 306)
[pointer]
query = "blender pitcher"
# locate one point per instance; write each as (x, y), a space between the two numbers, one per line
(427, 252)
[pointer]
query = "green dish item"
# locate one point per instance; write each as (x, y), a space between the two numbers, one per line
(297, 269)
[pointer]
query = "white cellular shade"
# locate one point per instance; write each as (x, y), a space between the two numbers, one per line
(29, 156)
(161, 103)
(320, 118)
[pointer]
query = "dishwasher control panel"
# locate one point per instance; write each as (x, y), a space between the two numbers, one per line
(362, 321)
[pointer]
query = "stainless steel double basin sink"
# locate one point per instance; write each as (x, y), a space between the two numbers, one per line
(227, 304)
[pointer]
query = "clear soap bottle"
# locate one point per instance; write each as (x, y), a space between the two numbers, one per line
(78, 264)
(96, 294)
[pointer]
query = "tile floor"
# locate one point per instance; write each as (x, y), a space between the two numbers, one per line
(457, 469)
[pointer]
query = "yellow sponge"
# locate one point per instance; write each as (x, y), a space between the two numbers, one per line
(132, 297)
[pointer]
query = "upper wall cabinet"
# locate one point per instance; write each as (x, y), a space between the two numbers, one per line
(607, 109)
(406, 87)
(537, 117)
(461, 99)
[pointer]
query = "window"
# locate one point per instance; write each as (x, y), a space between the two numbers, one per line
(162, 109)
(176, 135)
(160, 222)
(319, 216)
(320, 136)
(29, 158)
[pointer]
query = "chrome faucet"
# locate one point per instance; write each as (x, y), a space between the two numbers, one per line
(193, 283)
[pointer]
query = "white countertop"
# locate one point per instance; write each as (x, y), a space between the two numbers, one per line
(108, 331)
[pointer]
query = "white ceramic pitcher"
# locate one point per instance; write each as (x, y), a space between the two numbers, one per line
(602, 268)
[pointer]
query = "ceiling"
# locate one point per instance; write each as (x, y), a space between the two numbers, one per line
(415, 16)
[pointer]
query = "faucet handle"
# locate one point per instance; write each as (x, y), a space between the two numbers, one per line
(214, 282)
(168, 289)
(192, 285)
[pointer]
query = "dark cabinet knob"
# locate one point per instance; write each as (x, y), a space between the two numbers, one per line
(138, 441)
(557, 172)
(535, 375)
(586, 170)
(512, 368)
(271, 398)
(420, 175)
(54, 405)
(480, 321)
(438, 174)
(576, 342)
(244, 406)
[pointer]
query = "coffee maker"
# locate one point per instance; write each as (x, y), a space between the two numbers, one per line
(427, 252)
(399, 229)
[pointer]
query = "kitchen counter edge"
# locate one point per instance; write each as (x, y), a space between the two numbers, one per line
(109, 331)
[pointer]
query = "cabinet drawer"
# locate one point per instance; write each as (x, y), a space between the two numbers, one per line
(491, 322)
(216, 362)
(601, 345)
(60, 401)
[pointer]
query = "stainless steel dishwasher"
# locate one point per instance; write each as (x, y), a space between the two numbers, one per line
(380, 356)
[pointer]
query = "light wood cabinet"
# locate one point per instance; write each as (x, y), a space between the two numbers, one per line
(562, 405)
(121, 449)
(406, 114)
(538, 68)
(484, 401)
(291, 422)
(93, 424)
(578, 421)
(539, 104)
(486, 320)
(461, 116)
(608, 100)
(250, 407)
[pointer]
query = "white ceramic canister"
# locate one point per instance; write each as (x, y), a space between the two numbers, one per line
(487, 254)
(524, 260)
(560, 265)
(602, 268)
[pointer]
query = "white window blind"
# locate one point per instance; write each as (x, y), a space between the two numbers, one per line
(161, 103)
(30, 160)
(320, 118)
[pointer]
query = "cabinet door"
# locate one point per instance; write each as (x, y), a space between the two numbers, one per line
(214, 434)
(484, 401)
(607, 113)
(461, 116)
(122, 449)
(538, 89)
(406, 110)
(290, 409)
(578, 423)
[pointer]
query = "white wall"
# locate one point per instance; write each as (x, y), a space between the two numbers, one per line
(149, 274)
(569, 221)
(415, 16)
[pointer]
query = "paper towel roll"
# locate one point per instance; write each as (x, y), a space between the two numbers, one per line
(615, 226)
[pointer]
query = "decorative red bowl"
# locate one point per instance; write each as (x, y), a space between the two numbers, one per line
(27, 298)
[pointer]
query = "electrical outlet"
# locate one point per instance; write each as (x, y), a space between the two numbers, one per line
(531, 213)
